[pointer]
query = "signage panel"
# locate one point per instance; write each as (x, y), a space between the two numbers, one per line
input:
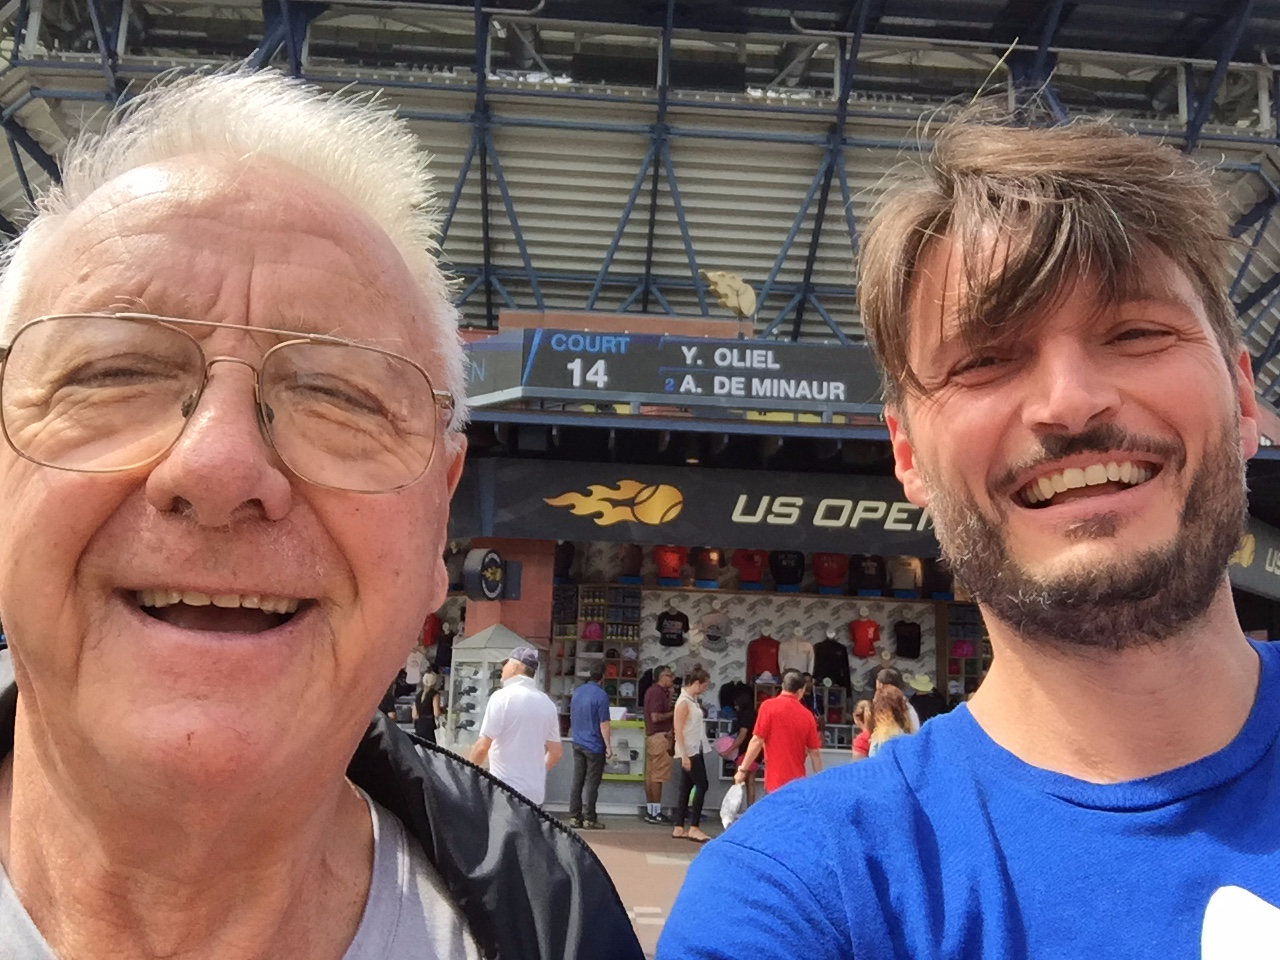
(557, 500)
(1255, 566)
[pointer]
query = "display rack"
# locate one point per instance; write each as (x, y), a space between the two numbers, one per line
(475, 673)
(628, 751)
(968, 648)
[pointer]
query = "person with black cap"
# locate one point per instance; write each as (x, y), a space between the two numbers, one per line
(520, 732)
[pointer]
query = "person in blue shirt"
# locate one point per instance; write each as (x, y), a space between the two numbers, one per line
(1067, 393)
(589, 726)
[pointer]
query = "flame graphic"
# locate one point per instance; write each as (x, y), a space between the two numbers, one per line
(1244, 553)
(629, 501)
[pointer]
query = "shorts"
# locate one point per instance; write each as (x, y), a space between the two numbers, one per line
(657, 767)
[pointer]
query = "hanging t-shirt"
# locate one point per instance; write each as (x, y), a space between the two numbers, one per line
(1019, 861)
(787, 567)
(864, 634)
(904, 573)
(672, 627)
(669, 561)
(762, 657)
(430, 630)
(829, 569)
(444, 649)
(750, 565)
(632, 561)
(714, 627)
(707, 562)
(906, 636)
(934, 576)
(795, 653)
(562, 565)
(789, 731)
(867, 572)
(831, 661)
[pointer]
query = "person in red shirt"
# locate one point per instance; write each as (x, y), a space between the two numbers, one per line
(786, 731)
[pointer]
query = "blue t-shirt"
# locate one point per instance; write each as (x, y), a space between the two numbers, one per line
(948, 846)
(587, 710)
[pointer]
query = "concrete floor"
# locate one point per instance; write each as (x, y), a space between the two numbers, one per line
(647, 866)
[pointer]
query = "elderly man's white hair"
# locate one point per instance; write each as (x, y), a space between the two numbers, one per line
(358, 148)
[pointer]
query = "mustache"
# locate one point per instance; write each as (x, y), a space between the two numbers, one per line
(1106, 438)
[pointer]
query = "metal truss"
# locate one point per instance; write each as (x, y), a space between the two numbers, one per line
(1021, 43)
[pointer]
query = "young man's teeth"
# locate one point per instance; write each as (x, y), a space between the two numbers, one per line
(193, 598)
(1043, 489)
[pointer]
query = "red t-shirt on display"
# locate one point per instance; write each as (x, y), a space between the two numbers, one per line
(829, 569)
(430, 630)
(750, 565)
(669, 561)
(864, 634)
(762, 657)
(789, 731)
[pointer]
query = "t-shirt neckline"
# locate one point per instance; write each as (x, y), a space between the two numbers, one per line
(1257, 736)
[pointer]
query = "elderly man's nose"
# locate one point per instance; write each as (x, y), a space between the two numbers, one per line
(221, 469)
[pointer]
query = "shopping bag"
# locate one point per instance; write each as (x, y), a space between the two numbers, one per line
(726, 745)
(734, 802)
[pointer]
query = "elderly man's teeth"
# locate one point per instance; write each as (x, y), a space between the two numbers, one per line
(193, 598)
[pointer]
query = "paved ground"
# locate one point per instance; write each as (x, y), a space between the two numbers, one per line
(647, 866)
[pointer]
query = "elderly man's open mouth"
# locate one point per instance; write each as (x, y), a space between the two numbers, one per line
(217, 612)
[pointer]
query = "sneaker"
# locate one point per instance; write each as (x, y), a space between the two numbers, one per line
(592, 825)
(576, 822)
(653, 818)
(663, 818)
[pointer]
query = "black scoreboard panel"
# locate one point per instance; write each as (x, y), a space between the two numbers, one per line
(755, 374)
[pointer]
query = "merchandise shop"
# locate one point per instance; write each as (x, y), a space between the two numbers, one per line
(651, 522)
(746, 573)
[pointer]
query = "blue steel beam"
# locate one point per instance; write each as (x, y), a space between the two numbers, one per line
(22, 172)
(1257, 212)
(284, 26)
(659, 139)
(1205, 103)
(18, 133)
(627, 209)
(1261, 214)
(849, 49)
(104, 35)
(1256, 296)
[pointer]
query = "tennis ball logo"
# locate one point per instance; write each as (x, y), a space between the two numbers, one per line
(657, 503)
(629, 501)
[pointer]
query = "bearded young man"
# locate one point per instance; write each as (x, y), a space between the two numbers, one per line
(1067, 393)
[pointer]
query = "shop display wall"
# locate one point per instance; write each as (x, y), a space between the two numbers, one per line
(753, 615)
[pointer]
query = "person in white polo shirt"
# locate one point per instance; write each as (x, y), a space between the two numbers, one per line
(520, 732)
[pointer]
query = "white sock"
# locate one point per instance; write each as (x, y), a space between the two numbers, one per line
(655, 809)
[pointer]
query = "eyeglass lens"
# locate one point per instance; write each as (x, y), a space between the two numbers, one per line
(109, 393)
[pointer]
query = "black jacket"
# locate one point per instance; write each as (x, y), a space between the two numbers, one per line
(530, 888)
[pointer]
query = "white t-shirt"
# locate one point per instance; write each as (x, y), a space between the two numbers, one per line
(795, 654)
(413, 667)
(520, 719)
(408, 914)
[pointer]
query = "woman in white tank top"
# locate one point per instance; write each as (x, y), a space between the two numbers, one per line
(691, 743)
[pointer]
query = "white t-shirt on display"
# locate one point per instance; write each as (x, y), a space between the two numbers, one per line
(520, 719)
(795, 654)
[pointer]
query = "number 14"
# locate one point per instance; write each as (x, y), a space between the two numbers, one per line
(596, 375)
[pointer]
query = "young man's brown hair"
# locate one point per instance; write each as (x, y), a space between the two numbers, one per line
(1033, 209)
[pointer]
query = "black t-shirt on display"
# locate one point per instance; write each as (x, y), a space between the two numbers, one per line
(632, 560)
(673, 625)
(906, 635)
(787, 567)
(831, 659)
(867, 572)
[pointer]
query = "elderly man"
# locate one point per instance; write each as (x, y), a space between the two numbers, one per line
(520, 732)
(1068, 394)
(232, 400)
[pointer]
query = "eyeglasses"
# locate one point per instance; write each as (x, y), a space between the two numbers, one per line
(103, 393)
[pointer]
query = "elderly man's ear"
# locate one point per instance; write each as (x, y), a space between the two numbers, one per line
(455, 448)
(904, 458)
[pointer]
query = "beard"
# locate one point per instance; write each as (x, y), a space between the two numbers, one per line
(1137, 601)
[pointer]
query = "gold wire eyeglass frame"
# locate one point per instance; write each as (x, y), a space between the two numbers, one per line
(444, 400)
